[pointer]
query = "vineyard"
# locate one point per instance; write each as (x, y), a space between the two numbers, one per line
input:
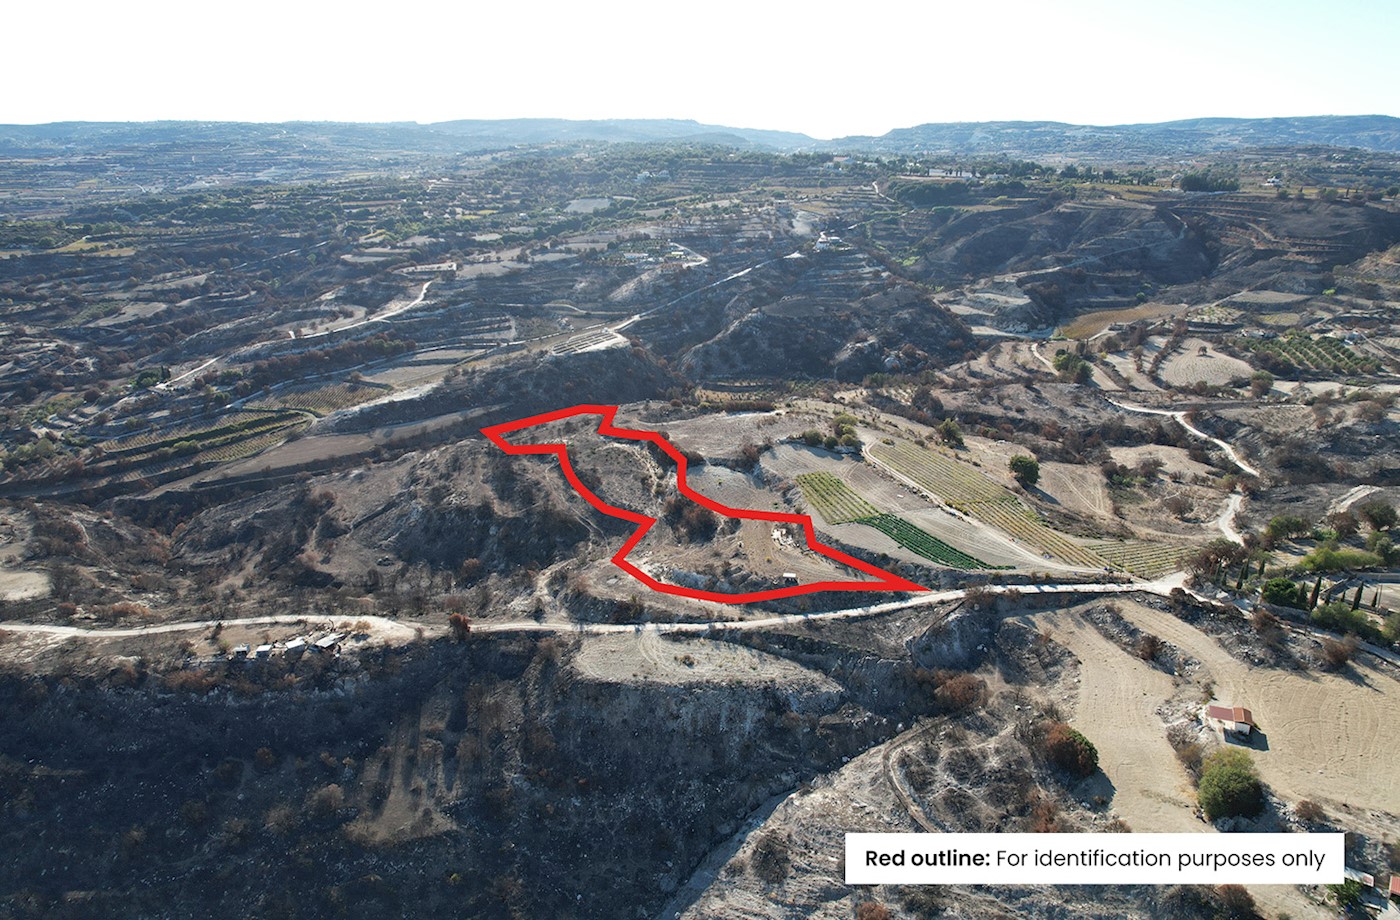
(1323, 353)
(1149, 560)
(976, 495)
(327, 399)
(833, 499)
(838, 504)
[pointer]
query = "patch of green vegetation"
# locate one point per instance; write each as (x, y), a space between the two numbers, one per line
(925, 544)
(1331, 558)
(1230, 785)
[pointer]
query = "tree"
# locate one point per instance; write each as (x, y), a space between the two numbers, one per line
(1378, 514)
(1214, 554)
(1067, 749)
(1347, 895)
(1230, 785)
(1025, 469)
(951, 434)
(1260, 383)
(1282, 592)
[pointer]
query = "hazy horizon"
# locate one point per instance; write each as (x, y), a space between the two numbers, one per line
(830, 70)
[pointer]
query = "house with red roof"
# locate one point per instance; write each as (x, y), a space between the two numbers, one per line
(1234, 719)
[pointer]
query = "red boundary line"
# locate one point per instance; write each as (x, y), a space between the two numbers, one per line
(886, 581)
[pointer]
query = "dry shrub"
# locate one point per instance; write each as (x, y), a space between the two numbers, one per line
(960, 692)
(1191, 755)
(1237, 903)
(326, 801)
(130, 609)
(1309, 812)
(980, 596)
(1149, 647)
(281, 819)
(771, 860)
(191, 680)
(1044, 818)
(872, 910)
(1336, 654)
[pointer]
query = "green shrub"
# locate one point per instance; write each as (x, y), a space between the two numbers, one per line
(1067, 749)
(1331, 558)
(1284, 593)
(1339, 616)
(1230, 785)
(1025, 469)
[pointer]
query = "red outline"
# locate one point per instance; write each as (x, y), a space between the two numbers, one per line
(887, 580)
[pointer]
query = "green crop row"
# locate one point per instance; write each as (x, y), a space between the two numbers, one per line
(925, 544)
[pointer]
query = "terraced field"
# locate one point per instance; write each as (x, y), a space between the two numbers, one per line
(1149, 560)
(837, 503)
(925, 544)
(327, 399)
(833, 499)
(1322, 352)
(974, 494)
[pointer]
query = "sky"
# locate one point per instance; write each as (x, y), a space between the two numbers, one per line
(823, 68)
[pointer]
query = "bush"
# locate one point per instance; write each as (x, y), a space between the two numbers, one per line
(1025, 469)
(1283, 526)
(951, 434)
(960, 692)
(1237, 903)
(1336, 654)
(1284, 593)
(872, 910)
(771, 859)
(1329, 558)
(1067, 749)
(1378, 514)
(1309, 812)
(1339, 617)
(1230, 786)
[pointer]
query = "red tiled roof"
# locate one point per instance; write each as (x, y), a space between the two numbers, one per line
(1237, 714)
(1395, 886)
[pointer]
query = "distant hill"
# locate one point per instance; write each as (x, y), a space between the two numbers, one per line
(1119, 143)
(1022, 139)
(508, 132)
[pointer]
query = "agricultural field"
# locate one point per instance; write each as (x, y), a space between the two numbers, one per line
(922, 542)
(976, 495)
(833, 499)
(1195, 360)
(1322, 353)
(1150, 560)
(327, 399)
(837, 503)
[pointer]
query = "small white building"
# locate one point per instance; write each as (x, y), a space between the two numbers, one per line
(240, 651)
(1232, 719)
(262, 651)
(296, 646)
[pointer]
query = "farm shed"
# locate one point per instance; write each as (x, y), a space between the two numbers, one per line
(1235, 719)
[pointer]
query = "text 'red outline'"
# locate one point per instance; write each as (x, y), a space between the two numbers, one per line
(886, 581)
